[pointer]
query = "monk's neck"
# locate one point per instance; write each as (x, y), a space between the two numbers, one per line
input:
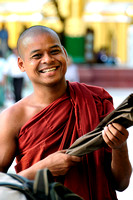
(48, 95)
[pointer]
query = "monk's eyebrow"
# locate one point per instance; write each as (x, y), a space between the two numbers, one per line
(34, 51)
(55, 46)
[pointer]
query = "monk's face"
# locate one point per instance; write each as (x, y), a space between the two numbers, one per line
(43, 58)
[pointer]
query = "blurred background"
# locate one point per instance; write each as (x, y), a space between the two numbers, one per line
(98, 36)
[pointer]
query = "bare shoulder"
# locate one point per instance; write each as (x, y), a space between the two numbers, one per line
(13, 118)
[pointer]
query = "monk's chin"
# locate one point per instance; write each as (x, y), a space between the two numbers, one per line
(56, 83)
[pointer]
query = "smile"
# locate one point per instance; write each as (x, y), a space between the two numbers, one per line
(48, 70)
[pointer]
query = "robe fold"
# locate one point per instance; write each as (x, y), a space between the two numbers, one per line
(57, 126)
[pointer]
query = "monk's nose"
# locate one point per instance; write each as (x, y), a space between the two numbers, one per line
(47, 58)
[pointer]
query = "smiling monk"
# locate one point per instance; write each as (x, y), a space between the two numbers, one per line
(38, 129)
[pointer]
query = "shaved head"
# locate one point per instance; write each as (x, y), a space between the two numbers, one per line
(32, 32)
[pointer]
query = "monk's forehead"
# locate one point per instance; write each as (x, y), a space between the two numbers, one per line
(30, 36)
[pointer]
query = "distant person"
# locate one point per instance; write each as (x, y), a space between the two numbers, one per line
(101, 56)
(2, 79)
(72, 73)
(4, 40)
(17, 77)
(112, 60)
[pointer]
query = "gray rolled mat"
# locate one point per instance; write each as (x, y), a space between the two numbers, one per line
(93, 140)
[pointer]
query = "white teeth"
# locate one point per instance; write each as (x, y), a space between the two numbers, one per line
(49, 70)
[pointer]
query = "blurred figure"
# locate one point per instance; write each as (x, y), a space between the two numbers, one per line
(72, 73)
(17, 77)
(4, 40)
(112, 60)
(2, 79)
(101, 56)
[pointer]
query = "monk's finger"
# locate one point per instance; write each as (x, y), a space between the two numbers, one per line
(116, 133)
(106, 138)
(62, 151)
(121, 129)
(110, 134)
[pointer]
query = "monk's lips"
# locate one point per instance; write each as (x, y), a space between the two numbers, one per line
(48, 70)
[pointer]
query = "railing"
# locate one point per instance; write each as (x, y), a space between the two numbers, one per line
(120, 77)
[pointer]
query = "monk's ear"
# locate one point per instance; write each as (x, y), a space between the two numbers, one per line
(21, 64)
(65, 51)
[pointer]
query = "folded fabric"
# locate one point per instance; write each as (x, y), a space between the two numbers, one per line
(93, 140)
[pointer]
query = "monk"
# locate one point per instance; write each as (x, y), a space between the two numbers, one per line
(39, 128)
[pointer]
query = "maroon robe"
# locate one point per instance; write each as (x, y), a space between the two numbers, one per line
(57, 126)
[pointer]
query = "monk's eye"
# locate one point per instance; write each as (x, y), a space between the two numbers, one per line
(55, 51)
(37, 56)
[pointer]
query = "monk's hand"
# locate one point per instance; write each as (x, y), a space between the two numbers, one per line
(59, 162)
(115, 135)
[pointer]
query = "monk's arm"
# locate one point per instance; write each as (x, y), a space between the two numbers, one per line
(8, 144)
(121, 167)
(115, 136)
(58, 163)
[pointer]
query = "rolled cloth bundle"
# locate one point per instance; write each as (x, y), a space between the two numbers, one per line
(93, 140)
